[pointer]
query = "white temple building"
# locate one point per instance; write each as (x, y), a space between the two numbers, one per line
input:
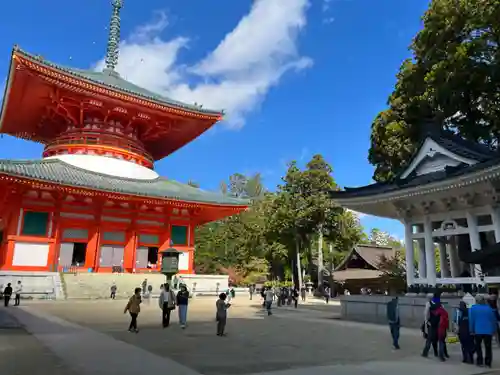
(447, 197)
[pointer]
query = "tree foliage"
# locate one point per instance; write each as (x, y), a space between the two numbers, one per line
(275, 235)
(452, 78)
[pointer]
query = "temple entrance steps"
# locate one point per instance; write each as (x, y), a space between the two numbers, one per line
(97, 285)
(36, 285)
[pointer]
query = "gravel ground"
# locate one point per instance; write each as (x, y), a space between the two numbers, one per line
(255, 342)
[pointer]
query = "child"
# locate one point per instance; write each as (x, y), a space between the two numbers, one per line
(221, 314)
(134, 308)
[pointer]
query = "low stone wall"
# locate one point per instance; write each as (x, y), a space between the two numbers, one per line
(36, 285)
(373, 309)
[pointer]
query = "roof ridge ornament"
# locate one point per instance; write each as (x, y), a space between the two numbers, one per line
(114, 37)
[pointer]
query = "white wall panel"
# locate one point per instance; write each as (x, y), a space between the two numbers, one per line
(30, 254)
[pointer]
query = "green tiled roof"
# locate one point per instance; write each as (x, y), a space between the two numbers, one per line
(112, 80)
(57, 171)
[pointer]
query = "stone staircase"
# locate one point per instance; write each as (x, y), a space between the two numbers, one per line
(97, 285)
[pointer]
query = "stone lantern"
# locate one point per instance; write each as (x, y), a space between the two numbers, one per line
(170, 263)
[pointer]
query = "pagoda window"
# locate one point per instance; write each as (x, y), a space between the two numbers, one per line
(75, 234)
(35, 224)
(114, 236)
(149, 239)
(179, 235)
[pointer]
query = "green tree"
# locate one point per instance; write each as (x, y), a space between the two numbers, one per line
(193, 184)
(452, 78)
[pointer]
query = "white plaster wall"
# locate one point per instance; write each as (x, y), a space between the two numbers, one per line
(109, 166)
(183, 261)
(30, 254)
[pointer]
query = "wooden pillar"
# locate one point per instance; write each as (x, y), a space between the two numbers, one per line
(430, 258)
(92, 253)
(53, 257)
(409, 255)
(454, 260)
(15, 218)
(495, 219)
(422, 267)
(130, 251)
(443, 260)
(475, 242)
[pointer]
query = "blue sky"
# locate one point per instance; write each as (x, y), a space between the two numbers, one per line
(296, 77)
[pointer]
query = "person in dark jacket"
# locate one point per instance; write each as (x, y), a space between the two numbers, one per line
(483, 325)
(7, 294)
(462, 327)
(182, 304)
(394, 321)
(432, 326)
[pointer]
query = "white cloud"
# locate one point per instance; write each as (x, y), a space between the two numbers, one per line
(236, 75)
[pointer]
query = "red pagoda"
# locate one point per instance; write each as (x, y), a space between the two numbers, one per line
(94, 201)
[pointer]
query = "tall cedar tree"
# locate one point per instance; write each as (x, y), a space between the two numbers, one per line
(453, 78)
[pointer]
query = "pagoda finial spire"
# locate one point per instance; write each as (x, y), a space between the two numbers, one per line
(114, 36)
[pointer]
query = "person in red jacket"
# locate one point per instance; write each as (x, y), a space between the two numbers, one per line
(444, 323)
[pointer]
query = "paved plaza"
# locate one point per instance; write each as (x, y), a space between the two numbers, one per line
(90, 337)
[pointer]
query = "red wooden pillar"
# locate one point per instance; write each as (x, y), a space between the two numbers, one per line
(92, 253)
(55, 244)
(164, 237)
(130, 251)
(12, 226)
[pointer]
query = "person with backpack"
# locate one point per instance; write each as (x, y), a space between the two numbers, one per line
(482, 325)
(394, 321)
(462, 328)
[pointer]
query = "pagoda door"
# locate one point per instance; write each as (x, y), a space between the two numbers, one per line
(141, 260)
(117, 259)
(66, 254)
(106, 259)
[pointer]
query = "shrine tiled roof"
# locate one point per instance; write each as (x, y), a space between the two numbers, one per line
(485, 158)
(59, 172)
(371, 254)
(112, 80)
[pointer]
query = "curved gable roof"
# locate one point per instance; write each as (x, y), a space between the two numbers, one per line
(369, 253)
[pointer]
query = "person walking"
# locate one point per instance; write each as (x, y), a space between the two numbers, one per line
(182, 304)
(134, 308)
(269, 296)
(251, 291)
(167, 304)
(303, 293)
(113, 291)
(462, 329)
(482, 325)
(221, 314)
(394, 321)
(18, 289)
(443, 325)
(7, 294)
(295, 297)
(326, 292)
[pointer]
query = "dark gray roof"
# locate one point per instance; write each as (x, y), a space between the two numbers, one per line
(371, 254)
(485, 158)
(59, 172)
(112, 80)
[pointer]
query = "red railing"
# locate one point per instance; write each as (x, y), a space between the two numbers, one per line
(93, 139)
